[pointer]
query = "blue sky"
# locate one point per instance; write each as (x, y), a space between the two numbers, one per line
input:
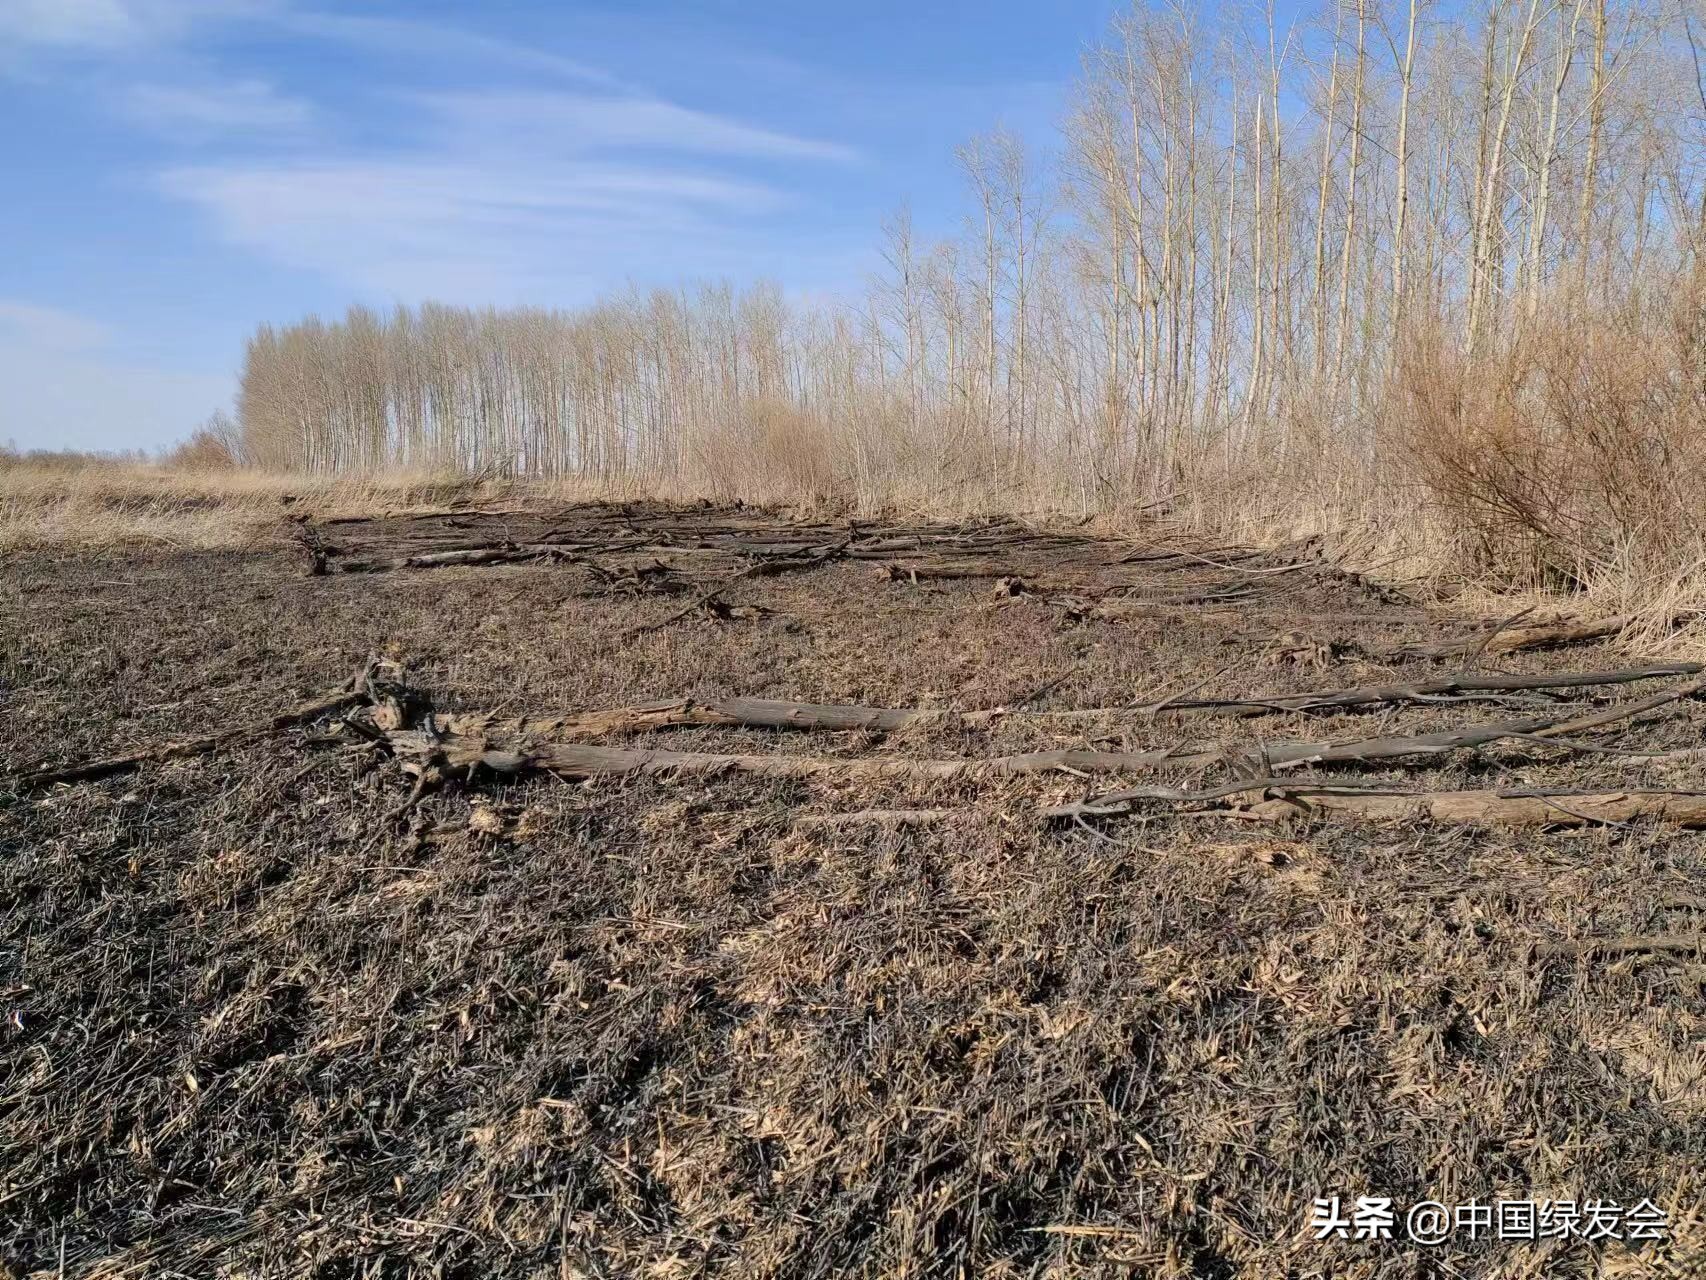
(180, 170)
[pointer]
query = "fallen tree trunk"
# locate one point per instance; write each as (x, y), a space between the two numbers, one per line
(1550, 731)
(1424, 690)
(580, 760)
(1286, 754)
(501, 554)
(913, 571)
(93, 769)
(1500, 809)
(1513, 639)
(1624, 710)
(772, 713)
(753, 713)
(1278, 755)
(1628, 945)
(535, 737)
(1472, 808)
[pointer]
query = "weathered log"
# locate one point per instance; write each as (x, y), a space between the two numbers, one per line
(1121, 804)
(1291, 753)
(1501, 809)
(1471, 808)
(580, 760)
(1425, 690)
(771, 713)
(1513, 639)
(577, 760)
(505, 553)
(755, 713)
(1270, 756)
(1627, 945)
(90, 770)
(1624, 710)
(1276, 755)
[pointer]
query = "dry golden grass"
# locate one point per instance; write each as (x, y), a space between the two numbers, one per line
(118, 504)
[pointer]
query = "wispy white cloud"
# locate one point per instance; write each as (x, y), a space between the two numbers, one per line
(551, 183)
(206, 110)
(462, 227)
(502, 194)
(417, 38)
(112, 24)
(96, 27)
(567, 122)
(67, 23)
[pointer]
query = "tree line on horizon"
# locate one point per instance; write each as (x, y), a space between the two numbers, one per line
(1323, 258)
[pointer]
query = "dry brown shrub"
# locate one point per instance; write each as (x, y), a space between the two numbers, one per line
(1574, 451)
(216, 445)
(64, 462)
(775, 450)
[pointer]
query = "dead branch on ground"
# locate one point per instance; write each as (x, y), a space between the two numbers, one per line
(355, 693)
(1564, 808)
(1507, 639)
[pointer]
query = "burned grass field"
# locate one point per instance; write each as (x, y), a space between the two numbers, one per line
(675, 891)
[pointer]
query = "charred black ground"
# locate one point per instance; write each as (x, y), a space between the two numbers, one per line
(265, 1018)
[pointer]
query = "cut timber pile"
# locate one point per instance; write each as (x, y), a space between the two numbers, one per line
(1024, 561)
